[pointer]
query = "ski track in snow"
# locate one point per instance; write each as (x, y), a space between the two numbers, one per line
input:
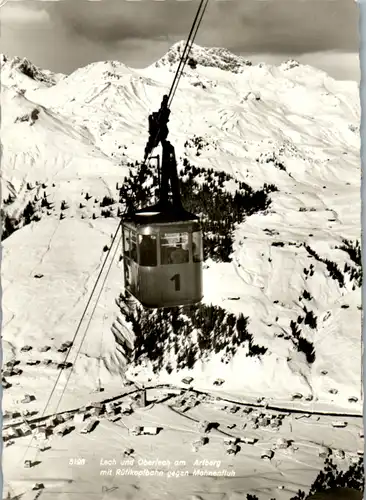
(91, 124)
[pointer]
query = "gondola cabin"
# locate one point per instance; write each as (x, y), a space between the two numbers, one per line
(162, 254)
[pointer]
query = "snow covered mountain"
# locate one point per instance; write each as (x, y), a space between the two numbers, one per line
(286, 138)
(211, 57)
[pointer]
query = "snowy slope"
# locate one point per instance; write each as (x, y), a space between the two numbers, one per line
(292, 126)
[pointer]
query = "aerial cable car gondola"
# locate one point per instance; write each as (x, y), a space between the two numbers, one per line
(162, 243)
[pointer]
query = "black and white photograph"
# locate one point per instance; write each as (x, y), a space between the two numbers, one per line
(181, 275)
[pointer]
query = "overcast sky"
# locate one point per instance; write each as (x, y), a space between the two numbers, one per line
(64, 35)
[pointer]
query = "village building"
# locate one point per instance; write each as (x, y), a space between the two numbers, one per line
(232, 449)
(152, 430)
(339, 424)
(79, 418)
(136, 430)
(339, 454)
(187, 380)
(26, 348)
(282, 443)
(249, 440)
(28, 398)
(267, 455)
(204, 426)
(324, 452)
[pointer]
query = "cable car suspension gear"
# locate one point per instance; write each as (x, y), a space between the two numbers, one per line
(158, 120)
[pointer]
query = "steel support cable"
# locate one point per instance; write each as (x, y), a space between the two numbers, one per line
(88, 325)
(185, 53)
(84, 312)
(189, 46)
(77, 331)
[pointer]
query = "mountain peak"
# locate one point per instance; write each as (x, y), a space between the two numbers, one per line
(213, 57)
(28, 69)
